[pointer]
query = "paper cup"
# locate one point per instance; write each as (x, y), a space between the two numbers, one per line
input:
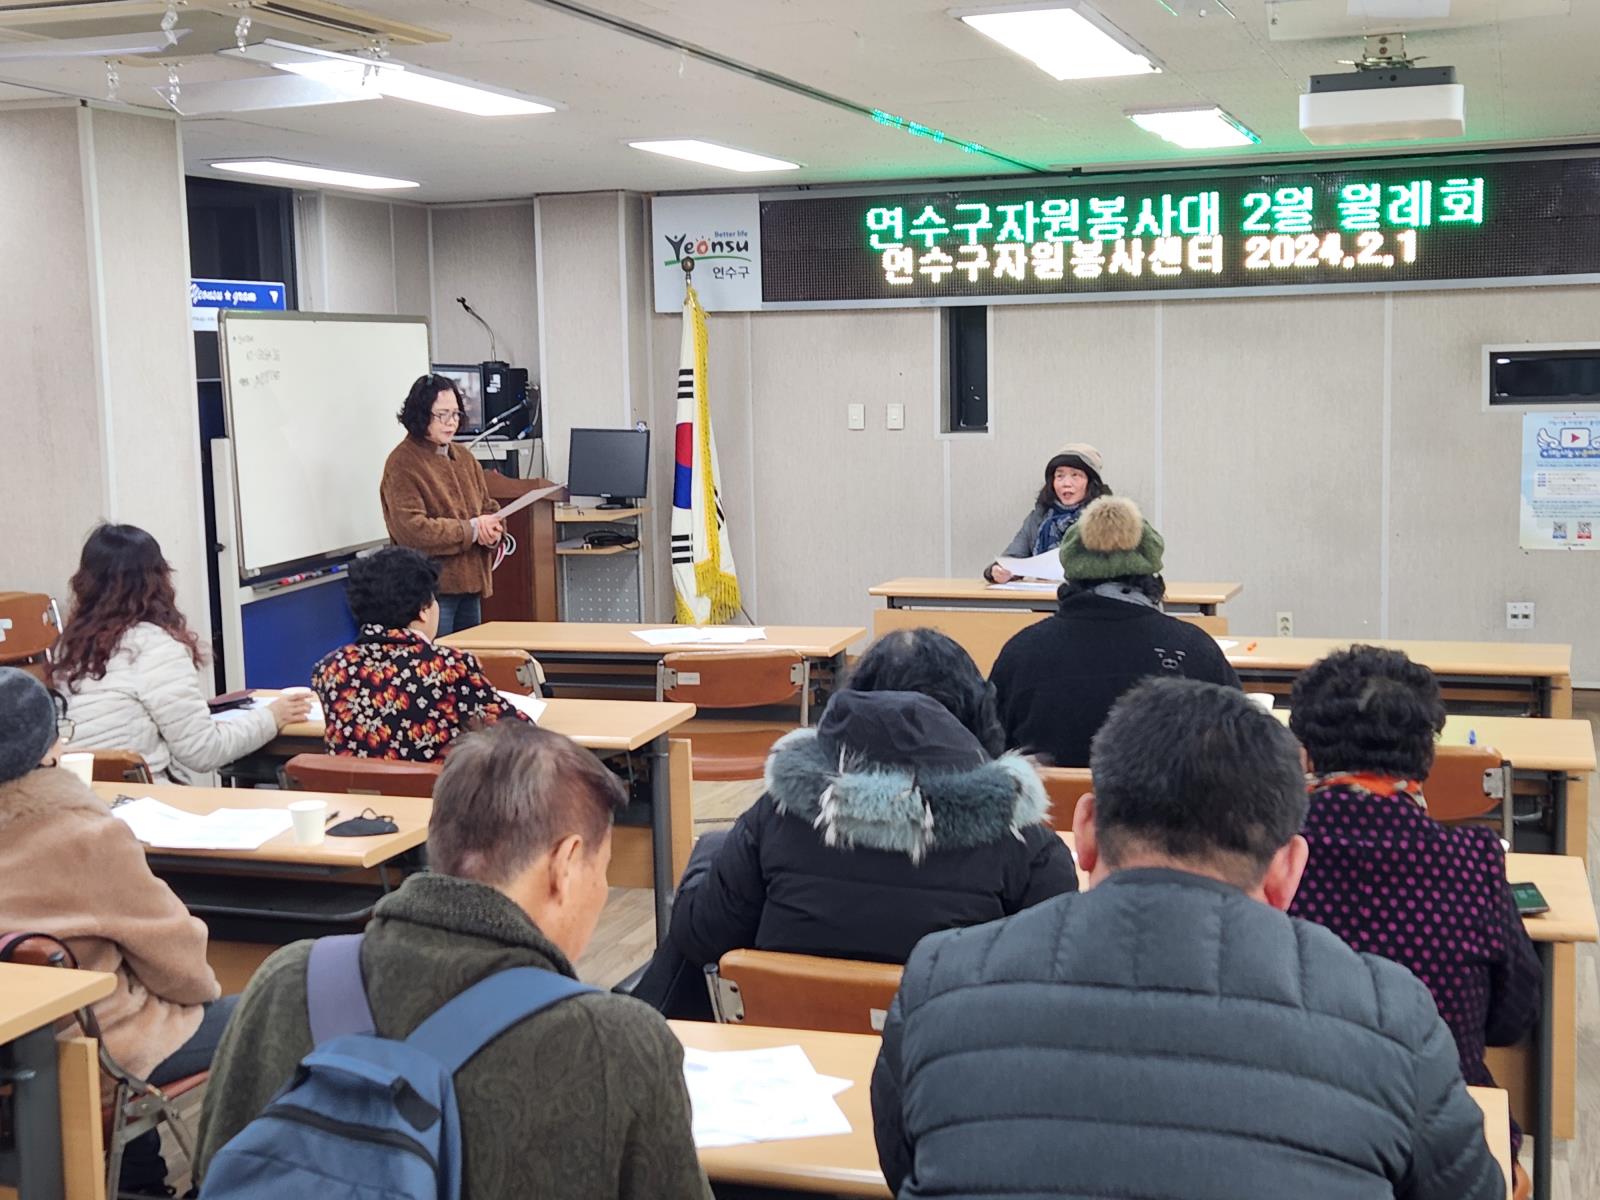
(308, 817)
(1264, 699)
(80, 763)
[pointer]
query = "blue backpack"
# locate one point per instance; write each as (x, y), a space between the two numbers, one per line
(365, 1116)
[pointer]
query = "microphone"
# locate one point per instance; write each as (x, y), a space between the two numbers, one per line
(494, 353)
(498, 423)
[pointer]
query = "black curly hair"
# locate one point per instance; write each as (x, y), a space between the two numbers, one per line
(927, 661)
(392, 587)
(1367, 709)
(417, 411)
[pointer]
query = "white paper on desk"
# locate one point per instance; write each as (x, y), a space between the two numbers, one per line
(164, 827)
(1040, 566)
(529, 706)
(703, 635)
(769, 1095)
(1226, 643)
(527, 498)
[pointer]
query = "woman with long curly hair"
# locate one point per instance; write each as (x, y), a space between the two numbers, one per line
(129, 666)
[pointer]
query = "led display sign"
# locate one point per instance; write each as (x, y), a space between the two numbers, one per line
(1358, 226)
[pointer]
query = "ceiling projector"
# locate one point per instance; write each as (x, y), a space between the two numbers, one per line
(1390, 104)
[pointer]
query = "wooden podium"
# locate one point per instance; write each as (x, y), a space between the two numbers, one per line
(525, 584)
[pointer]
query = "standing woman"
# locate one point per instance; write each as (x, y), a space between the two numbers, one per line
(1071, 481)
(435, 500)
(130, 666)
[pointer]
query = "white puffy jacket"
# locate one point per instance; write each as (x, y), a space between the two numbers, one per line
(150, 701)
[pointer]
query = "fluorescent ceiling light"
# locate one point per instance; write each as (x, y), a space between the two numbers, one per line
(1195, 128)
(1063, 40)
(91, 47)
(252, 95)
(300, 173)
(388, 78)
(713, 155)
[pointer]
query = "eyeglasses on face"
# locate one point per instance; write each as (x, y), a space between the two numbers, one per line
(447, 417)
(65, 728)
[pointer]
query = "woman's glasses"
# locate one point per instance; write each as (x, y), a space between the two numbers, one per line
(448, 417)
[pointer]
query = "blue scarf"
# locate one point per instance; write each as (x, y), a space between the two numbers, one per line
(1055, 526)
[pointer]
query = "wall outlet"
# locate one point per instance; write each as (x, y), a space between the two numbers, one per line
(856, 416)
(895, 416)
(1286, 624)
(1519, 614)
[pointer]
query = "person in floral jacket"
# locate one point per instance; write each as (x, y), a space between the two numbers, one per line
(394, 693)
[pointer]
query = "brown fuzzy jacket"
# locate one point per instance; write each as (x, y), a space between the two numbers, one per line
(584, 1101)
(429, 500)
(70, 869)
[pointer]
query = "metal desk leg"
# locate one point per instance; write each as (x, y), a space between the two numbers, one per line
(661, 833)
(36, 1107)
(1544, 1072)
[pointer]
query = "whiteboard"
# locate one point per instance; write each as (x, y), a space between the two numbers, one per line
(311, 401)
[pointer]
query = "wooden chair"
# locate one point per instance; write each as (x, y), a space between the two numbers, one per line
(734, 679)
(1064, 786)
(121, 766)
(800, 991)
(1470, 785)
(30, 625)
(135, 1106)
(514, 671)
(361, 776)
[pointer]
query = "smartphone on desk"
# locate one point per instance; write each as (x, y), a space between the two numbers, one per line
(1530, 900)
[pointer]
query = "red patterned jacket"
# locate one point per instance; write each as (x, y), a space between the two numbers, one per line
(394, 694)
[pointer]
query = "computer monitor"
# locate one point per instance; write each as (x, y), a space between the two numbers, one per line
(611, 463)
(468, 378)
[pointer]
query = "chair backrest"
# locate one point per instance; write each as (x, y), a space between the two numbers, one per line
(801, 991)
(30, 625)
(514, 671)
(361, 776)
(734, 678)
(1064, 785)
(1470, 783)
(121, 766)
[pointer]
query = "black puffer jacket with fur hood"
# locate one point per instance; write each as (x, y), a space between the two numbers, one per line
(886, 822)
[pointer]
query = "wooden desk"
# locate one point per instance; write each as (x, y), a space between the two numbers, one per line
(631, 729)
(978, 593)
(602, 655)
(1552, 758)
(1496, 1127)
(847, 1165)
(334, 855)
(843, 1165)
(32, 1000)
(1540, 1074)
(1522, 678)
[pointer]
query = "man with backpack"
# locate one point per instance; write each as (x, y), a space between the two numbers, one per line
(333, 1082)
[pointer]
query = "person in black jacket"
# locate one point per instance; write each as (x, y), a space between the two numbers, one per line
(895, 816)
(1170, 1032)
(1057, 679)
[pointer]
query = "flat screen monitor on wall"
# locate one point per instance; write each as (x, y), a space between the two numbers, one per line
(468, 378)
(613, 464)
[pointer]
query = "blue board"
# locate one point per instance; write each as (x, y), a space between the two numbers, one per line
(286, 632)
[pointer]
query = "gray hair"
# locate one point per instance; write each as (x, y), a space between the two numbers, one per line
(508, 794)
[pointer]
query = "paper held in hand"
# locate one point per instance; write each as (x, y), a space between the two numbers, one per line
(533, 497)
(1045, 566)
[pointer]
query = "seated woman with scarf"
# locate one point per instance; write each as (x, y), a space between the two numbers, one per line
(1071, 482)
